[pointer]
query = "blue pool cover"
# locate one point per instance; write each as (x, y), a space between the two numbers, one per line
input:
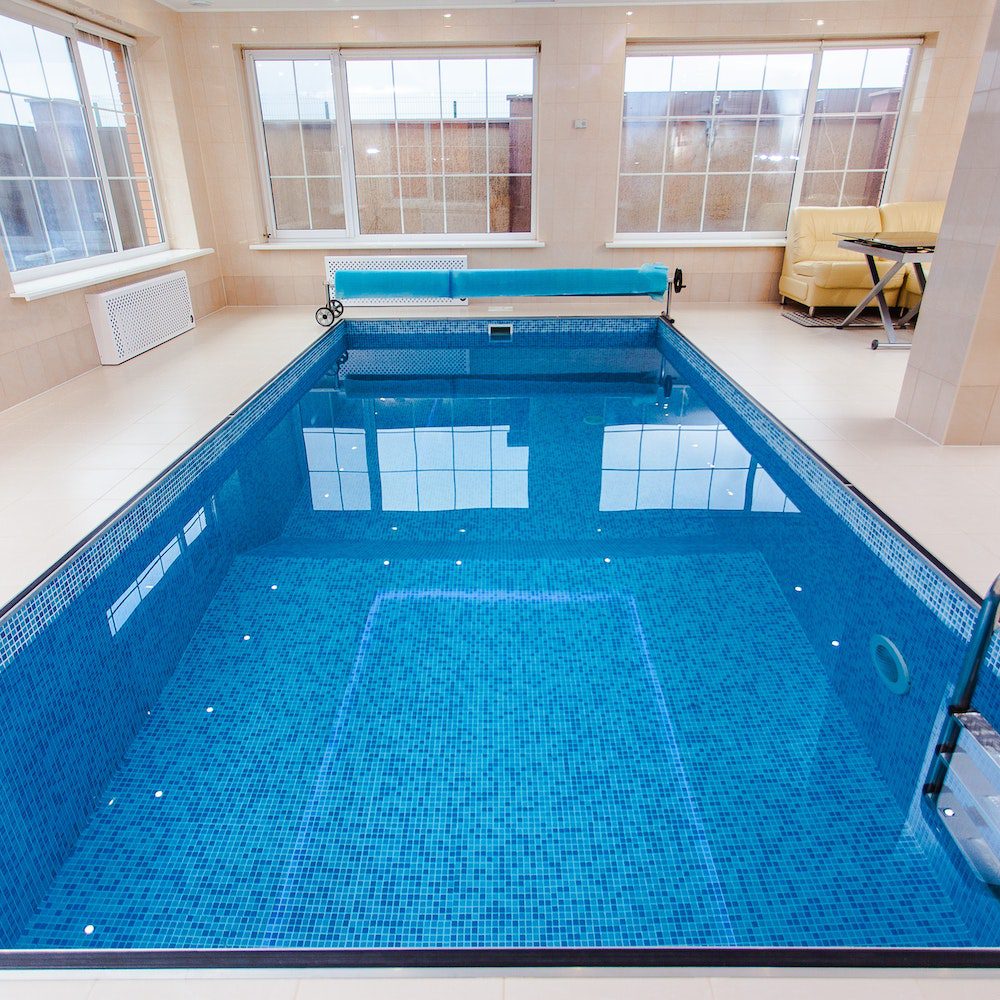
(650, 279)
(446, 644)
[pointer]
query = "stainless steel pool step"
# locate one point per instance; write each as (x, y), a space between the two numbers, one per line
(969, 801)
(964, 779)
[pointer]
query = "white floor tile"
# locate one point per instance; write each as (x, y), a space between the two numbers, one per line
(583, 987)
(475, 988)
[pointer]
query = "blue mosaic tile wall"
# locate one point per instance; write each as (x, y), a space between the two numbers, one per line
(72, 694)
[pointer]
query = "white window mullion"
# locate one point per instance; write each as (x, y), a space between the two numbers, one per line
(302, 144)
(345, 139)
(750, 173)
(395, 134)
(444, 182)
(147, 167)
(95, 144)
(264, 170)
(62, 151)
(807, 121)
(486, 146)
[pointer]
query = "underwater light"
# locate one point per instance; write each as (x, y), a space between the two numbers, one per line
(246, 638)
(836, 642)
(89, 929)
(210, 709)
(158, 794)
(949, 812)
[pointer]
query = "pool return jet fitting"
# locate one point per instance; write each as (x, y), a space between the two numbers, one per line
(654, 280)
(963, 783)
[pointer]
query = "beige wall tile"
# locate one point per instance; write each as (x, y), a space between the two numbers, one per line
(192, 84)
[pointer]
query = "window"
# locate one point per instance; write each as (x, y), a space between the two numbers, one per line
(74, 175)
(729, 143)
(452, 468)
(412, 145)
(683, 466)
(143, 585)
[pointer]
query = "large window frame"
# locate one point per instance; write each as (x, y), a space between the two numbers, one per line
(816, 50)
(351, 233)
(73, 29)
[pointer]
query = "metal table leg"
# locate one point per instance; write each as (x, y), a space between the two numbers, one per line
(877, 292)
(911, 314)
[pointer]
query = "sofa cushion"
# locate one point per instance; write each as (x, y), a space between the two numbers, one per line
(912, 216)
(813, 232)
(843, 273)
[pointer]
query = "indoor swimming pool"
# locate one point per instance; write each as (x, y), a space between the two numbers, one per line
(543, 640)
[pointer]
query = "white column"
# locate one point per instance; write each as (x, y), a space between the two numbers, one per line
(951, 391)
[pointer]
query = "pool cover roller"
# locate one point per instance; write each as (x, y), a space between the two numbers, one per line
(650, 279)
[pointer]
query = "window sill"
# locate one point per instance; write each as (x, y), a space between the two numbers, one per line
(458, 244)
(84, 277)
(678, 243)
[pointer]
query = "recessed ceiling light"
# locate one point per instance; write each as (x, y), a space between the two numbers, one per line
(355, 17)
(371, 151)
(254, 28)
(629, 13)
(819, 24)
(447, 15)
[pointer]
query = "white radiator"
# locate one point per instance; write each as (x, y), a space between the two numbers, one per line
(454, 262)
(134, 318)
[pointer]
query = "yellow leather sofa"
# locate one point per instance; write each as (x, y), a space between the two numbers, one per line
(912, 217)
(816, 272)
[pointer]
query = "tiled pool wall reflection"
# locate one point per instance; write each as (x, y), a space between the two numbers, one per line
(466, 470)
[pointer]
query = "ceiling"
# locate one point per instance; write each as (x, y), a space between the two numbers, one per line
(210, 6)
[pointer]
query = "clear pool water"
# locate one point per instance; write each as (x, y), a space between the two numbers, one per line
(443, 644)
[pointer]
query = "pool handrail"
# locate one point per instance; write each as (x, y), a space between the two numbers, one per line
(965, 687)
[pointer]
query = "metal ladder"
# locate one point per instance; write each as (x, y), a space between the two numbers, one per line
(963, 783)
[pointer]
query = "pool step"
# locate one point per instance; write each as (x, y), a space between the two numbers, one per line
(969, 802)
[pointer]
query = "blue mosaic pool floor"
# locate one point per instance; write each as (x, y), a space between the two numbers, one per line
(598, 757)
